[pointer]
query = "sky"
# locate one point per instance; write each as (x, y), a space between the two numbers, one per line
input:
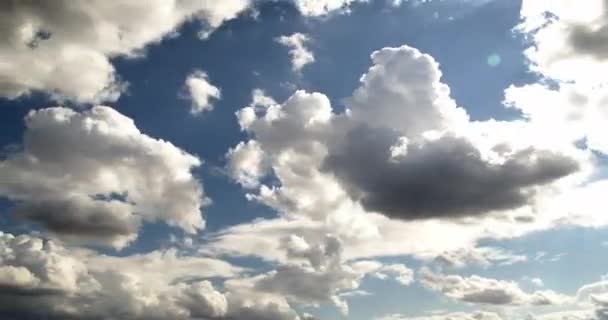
(303, 160)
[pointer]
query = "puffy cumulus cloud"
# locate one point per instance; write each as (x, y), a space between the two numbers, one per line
(93, 176)
(300, 54)
(568, 40)
(476, 289)
(248, 305)
(477, 315)
(591, 304)
(313, 271)
(65, 48)
(263, 238)
(402, 91)
(64, 283)
(320, 277)
(259, 102)
(201, 92)
(247, 164)
(427, 157)
(34, 264)
(404, 116)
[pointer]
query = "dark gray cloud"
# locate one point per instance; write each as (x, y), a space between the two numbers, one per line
(591, 39)
(85, 217)
(441, 178)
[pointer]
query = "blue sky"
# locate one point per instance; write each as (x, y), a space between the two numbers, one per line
(320, 159)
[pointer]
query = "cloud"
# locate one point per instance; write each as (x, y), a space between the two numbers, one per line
(64, 48)
(400, 272)
(429, 160)
(570, 111)
(320, 281)
(446, 177)
(247, 164)
(477, 315)
(93, 176)
(591, 303)
(480, 290)
(317, 8)
(69, 283)
(480, 256)
(200, 92)
(568, 41)
(300, 55)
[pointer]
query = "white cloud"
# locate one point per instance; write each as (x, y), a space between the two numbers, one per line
(93, 176)
(64, 48)
(66, 283)
(246, 163)
(480, 290)
(400, 272)
(570, 112)
(323, 7)
(201, 92)
(321, 279)
(569, 40)
(300, 54)
(310, 150)
(477, 315)
(481, 256)
(535, 281)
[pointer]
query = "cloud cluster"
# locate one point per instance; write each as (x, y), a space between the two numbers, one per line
(43, 279)
(402, 123)
(92, 176)
(476, 289)
(64, 48)
(317, 274)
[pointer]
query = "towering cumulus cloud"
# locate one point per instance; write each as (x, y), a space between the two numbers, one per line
(93, 176)
(403, 148)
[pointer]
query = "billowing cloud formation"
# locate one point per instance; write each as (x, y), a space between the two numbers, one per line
(78, 284)
(93, 176)
(320, 277)
(300, 55)
(200, 92)
(64, 48)
(569, 40)
(246, 163)
(403, 149)
(443, 177)
(476, 289)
